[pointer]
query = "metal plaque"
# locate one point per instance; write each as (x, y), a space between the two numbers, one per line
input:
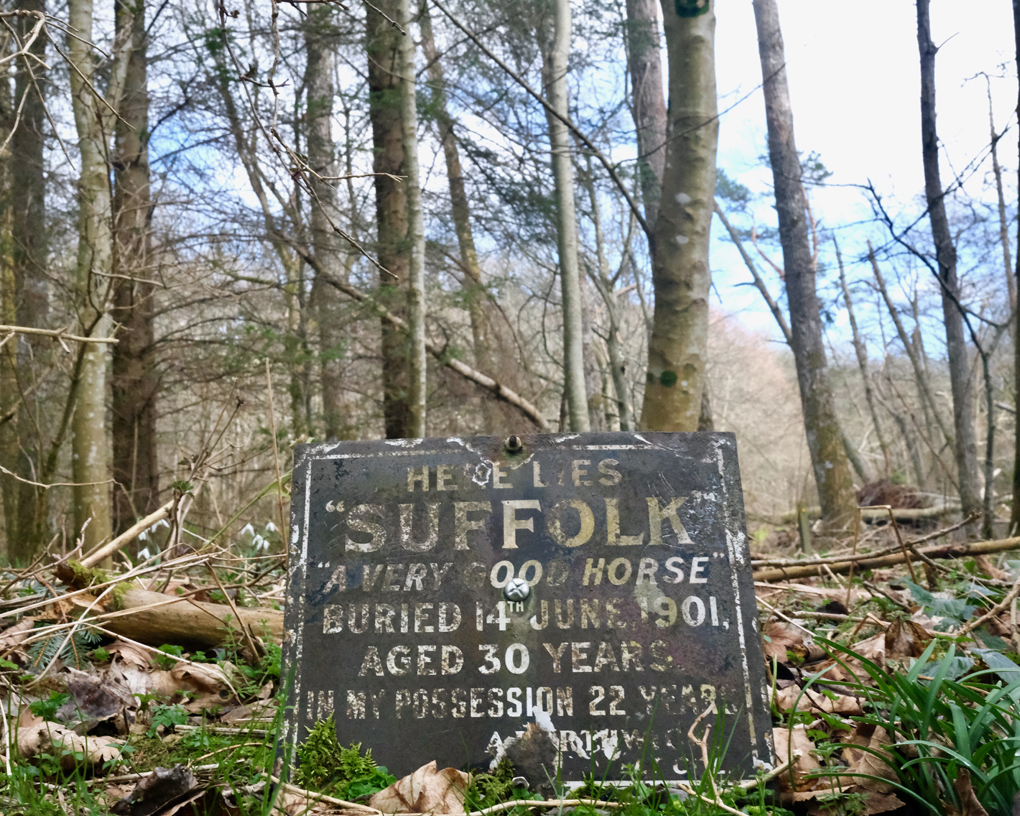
(446, 593)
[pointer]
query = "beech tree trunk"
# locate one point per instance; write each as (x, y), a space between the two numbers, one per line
(385, 111)
(90, 467)
(135, 380)
(945, 254)
(678, 346)
(555, 80)
(648, 106)
(828, 456)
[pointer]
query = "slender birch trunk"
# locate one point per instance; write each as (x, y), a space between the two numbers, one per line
(555, 79)
(945, 254)
(134, 379)
(828, 457)
(417, 368)
(90, 466)
(681, 278)
(386, 113)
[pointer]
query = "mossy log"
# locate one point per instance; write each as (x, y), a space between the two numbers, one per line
(154, 618)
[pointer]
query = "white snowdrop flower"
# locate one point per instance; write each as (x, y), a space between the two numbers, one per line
(270, 527)
(248, 529)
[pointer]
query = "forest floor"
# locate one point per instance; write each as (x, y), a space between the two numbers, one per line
(895, 687)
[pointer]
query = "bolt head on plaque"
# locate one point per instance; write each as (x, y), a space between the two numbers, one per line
(513, 444)
(517, 589)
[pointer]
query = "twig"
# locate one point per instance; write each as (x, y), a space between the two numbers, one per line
(995, 610)
(130, 534)
(59, 334)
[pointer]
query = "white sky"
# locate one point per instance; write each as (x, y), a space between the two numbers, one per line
(854, 81)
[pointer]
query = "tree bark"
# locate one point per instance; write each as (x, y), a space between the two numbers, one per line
(90, 469)
(945, 254)
(648, 106)
(1014, 519)
(861, 351)
(417, 368)
(681, 278)
(384, 110)
(29, 246)
(135, 380)
(828, 457)
(474, 290)
(555, 80)
(320, 64)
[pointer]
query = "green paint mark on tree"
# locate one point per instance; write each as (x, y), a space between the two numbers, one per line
(667, 379)
(692, 8)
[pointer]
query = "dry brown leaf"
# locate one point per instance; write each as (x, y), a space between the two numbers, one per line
(207, 685)
(44, 737)
(780, 638)
(788, 742)
(816, 702)
(986, 567)
(861, 755)
(14, 636)
(427, 790)
(906, 639)
(969, 804)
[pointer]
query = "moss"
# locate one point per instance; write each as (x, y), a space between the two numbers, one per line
(118, 592)
(86, 577)
(149, 753)
(325, 765)
(495, 787)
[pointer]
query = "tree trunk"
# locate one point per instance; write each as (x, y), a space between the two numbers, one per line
(555, 80)
(861, 351)
(28, 255)
(828, 457)
(1014, 519)
(320, 65)
(945, 254)
(474, 290)
(648, 107)
(681, 278)
(417, 368)
(135, 380)
(385, 112)
(90, 469)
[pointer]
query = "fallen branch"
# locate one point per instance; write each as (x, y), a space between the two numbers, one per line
(130, 534)
(871, 514)
(890, 560)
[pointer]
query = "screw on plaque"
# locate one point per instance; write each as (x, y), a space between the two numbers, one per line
(517, 589)
(513, 444)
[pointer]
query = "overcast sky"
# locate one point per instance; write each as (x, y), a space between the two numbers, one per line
(854, 82)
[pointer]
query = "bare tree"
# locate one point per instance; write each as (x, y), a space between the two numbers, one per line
(828, 457)
(647, 104)
(134, 381)
(945, 254)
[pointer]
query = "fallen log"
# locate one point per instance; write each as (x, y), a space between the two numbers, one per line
(154, 618)
(863, 562)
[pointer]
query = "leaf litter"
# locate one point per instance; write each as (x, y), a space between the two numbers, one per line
(889, 693)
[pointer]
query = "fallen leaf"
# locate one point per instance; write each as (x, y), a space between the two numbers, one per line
(969, 804)
(817, 702)
(427, 790)
(906, 639)
(94, 700)
(791, 741)
(158, 792)
(73, 749)
(206, 685)
(14, 636)
(782, 639)
(863, 753)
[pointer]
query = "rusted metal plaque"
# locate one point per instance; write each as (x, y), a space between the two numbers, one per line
(445, 593)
